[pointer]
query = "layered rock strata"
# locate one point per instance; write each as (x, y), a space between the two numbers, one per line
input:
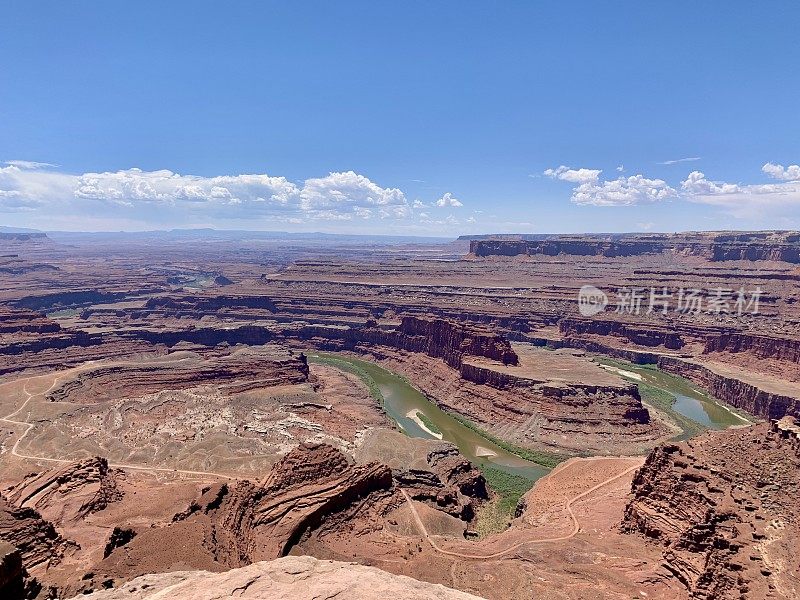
(236, 523)
(723, 507)
(769, 246)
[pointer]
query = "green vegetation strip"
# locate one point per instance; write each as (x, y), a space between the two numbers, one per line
(510, 487)
(496, 515)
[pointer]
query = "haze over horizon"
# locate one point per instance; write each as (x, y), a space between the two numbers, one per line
(436, 120)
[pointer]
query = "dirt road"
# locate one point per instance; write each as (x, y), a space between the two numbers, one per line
(517, 546)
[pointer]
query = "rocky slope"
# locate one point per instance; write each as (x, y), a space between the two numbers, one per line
(36, 539)
(12, 573)
(723, 508)
(69, 493)
(289, 578)
(239, 522)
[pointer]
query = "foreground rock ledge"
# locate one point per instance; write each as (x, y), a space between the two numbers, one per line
(291, 577)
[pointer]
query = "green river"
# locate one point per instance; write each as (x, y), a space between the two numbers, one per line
(417, 416)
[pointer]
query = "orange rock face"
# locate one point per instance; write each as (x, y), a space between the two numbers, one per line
(723, 508)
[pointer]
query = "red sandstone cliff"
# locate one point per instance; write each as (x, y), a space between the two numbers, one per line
(733, 391)
(713, 246)
(722, 506)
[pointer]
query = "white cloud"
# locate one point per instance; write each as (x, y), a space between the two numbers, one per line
(696, 184)
(29, 164)
(620, 168)
(152, 196)
(623, 191)
(681, 160)
(345, 191)
(449, 200)
(746, 201)
(790, 173)
(134, 187)
(573, 175)
(418, 204)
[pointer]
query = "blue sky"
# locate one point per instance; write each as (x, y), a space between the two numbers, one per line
(413, 117)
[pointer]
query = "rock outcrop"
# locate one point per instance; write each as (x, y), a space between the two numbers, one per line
(12, 573)
(713, 246)
(451, 483)
(723, 506)
(239, 522)
(36, 539)
(71, 492)
(289, 578)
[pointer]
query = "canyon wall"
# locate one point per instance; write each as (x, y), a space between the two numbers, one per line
(447, 340)
(733, 391)
(760, 346)
(637, 333)
(755, 246)
(721, 505)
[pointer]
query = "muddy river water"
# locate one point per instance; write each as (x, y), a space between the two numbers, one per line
(417, 416)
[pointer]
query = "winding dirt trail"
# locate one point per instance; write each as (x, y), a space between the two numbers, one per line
(29, 426)
(575, 524)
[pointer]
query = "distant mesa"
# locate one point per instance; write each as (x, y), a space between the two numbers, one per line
(22, 236)
(713, 246)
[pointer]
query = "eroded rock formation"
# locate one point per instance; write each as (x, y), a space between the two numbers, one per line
(451, 483)
(723, 506)
(70, 492)
(36, 539)
(239, 522)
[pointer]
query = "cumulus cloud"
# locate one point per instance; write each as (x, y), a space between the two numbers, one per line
(751, 200)
(623, 191)
(790, 173)
(449, 200)
(573, 175)
(347, 192)
(136, 187)
(134, 193)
